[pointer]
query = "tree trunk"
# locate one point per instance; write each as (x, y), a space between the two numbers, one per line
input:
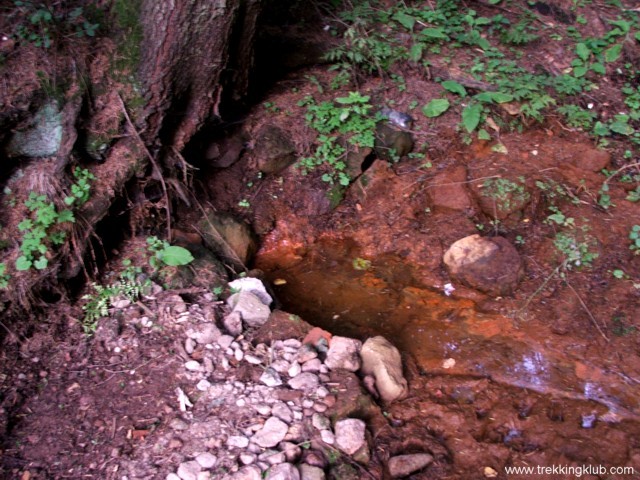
(193, 53)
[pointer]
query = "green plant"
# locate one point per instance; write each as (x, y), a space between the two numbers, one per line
(344, 124)
(40, 230)
(576, 247)
(244, 203)
(4, 277)
(44, 25)
(162, 253)
(505, 192)
(361, 264)
(97, 304)
(81, 188)
(634, 236)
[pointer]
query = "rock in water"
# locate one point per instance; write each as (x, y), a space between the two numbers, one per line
(382, 360)
(490, 265)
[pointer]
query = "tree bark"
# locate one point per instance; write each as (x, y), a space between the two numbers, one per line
(193, 53)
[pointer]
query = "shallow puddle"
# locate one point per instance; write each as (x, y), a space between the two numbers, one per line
(329, 285)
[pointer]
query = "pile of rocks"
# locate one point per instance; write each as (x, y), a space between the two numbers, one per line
(253, 409)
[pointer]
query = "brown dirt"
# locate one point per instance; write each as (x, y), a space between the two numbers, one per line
(72, 409)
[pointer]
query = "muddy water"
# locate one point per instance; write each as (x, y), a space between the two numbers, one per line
(329, 287)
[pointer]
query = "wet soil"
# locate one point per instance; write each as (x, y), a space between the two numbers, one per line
(549, 376)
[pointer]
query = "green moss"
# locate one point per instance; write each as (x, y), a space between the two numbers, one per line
(127, 21)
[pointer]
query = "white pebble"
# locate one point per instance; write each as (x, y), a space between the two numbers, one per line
(327, 437)
(192, 365)
(253, 360)
(203, 385)
(294, 369)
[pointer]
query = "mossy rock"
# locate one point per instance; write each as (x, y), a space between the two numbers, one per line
(232, 240)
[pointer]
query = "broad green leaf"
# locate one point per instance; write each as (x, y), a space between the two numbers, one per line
(22, 263)
(579, 71)
(494, 2)
(637, 36)
(415, 53)
(599, 68)
(613, 53)
(583, 51)
(454, 87)
(601, 130)
(471, 116)
(434, 33)
(622, 128)
(436, 107)
(490, 97)
(41, 263)
(174, 256)
(407, 21)
(500, 97)
(623, 25)
(483, 134)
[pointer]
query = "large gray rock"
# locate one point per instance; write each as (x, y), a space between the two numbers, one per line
(251, 308)
(403, 465)
(250, 472)
(43, 138)
(490, 265)
(350, 435)
(189, 470)
(382, 360)
(344, 353)
(272, 433)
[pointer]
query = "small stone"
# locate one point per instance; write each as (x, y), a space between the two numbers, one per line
(189, 470)
(305, 381)
(206, 460)
(238, 354)
(224, 341)
(294, 369)
(172, 476)
(262, 409)
(232, 323)
(238, 441)
(272, 433)
(490, 472)
(178, 424)
(320, 422)
(252, 359)
(193, 366)
(307, 403)
(282, 411)
(204, 476)
(249, 472)
(241, 402)
(350, 434)
(284, 471)
(272, 457)
(292, 343)
(189, 345)
(403, 465)
(327, 437)
(312, 365)
(204, 333)
(297, 415)
(203, 385)
(322, 392)
(314, 458)
(291, 451)
(247, 458)
(280, 365)
(297, 433)
(270, 378)
(307, 352)
(344, 353)
(310, 472)
(320, 407)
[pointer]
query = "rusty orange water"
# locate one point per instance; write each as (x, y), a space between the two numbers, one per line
(445, 335)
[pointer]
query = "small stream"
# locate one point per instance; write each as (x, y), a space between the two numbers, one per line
(328, 285)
